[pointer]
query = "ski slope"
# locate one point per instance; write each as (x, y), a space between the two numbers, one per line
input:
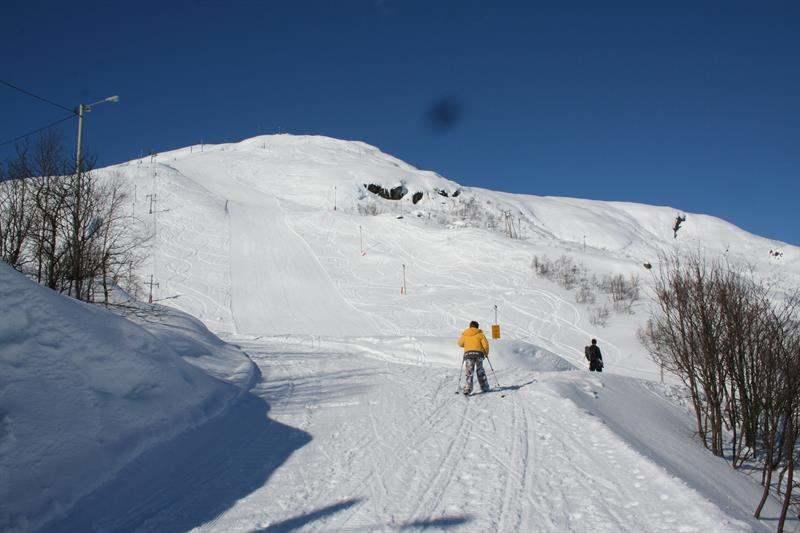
(276, 245)
(246, 238)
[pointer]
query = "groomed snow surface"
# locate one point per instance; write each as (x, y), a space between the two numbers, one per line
(353, 422)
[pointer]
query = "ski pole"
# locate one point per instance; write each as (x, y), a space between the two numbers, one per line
(495, 375)
(460, 373)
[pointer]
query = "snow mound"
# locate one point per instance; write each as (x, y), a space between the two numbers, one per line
(83, 392)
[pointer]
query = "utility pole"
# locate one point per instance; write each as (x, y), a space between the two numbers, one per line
(150, 299)
(77, 230)
(334, 197)
(80, 141)
(403, 288)
(152, 198)
(509, 219)
(361, 238)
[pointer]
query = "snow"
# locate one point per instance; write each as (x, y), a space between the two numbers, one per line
(352, 422)
(367, 435)
(83, 392)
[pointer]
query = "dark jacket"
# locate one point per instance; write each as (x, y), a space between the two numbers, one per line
(593, 352)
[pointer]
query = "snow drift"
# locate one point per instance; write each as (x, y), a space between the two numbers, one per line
(83, 392)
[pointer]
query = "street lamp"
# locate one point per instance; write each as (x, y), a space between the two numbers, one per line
(85, 108)
(78, 228)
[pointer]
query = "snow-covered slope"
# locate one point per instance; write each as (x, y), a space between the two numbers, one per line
(247, 239)
(83, 392)
(287, 246)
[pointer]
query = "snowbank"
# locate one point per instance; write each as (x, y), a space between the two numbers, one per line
(83, 392)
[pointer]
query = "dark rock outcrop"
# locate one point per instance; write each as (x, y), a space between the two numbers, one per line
(395, 193)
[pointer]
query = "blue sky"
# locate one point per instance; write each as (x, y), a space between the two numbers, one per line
(690, 104)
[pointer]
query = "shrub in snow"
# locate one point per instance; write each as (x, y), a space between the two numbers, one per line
(368, 209)
(620, 288)
(568, 273)
(599, 316)
(563, 270)
(471, 210)
(585, 295)
(542, 266)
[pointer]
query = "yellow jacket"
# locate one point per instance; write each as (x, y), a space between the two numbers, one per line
(473, 340)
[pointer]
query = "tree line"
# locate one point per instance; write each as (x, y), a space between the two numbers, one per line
(67, 229)
(735, 344)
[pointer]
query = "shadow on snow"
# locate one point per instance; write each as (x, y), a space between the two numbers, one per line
(297, 522)
(292, 524)
(192, 479)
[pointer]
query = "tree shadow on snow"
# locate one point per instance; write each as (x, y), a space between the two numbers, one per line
(442, 523)
(192, 479)
(299, 521)
(292, 524)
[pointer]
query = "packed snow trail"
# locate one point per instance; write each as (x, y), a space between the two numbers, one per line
(366, 434)
(393, 447)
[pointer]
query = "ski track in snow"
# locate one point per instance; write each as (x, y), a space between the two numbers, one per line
(393, 447)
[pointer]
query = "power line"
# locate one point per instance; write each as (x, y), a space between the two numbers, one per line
(37, 130)
(36, 96)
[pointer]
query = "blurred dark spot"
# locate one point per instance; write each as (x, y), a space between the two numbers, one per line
(444, 114)
(382, 8)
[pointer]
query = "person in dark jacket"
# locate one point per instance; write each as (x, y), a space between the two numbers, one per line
(675, 227)
(594, 357)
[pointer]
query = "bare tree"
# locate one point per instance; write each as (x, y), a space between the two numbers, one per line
(16, 215)
(737, 348)
(67, 231)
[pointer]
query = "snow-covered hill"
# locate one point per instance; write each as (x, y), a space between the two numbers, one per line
(83, 392)
(297, 248)
(281, 234)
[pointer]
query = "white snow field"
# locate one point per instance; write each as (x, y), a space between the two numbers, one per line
(83, 392)
(277, 246)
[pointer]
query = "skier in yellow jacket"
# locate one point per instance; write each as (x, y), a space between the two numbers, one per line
(476, 347)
